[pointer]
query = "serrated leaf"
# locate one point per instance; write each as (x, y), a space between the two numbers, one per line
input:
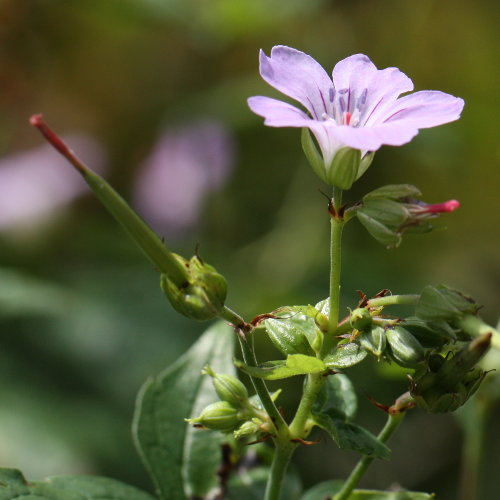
(394, 191)
(251, 484)
(379, 231)
(181, 460)
(345, 355)
(13, 485)
(295, 364)
(338, 395)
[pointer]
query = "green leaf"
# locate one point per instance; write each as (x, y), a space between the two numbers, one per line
(13, 486)
(379, 231)
(182, 460)
(250, 484)
(338, 395)
(292, 334)
(385, 211)
(323, 490)
(295, 364)
(345, 355)
(351, 436)
(394, 192)
(389, 495)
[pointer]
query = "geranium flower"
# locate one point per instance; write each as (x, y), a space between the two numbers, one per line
(358, 108)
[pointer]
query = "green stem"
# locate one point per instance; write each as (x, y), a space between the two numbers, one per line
(337, 225)
(475, 326)
(299, 427)
(393, 422)
(281, 459)
(258, 384)
(391, 300)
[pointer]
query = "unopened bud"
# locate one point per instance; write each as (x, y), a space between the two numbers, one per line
(406, 350)
(247, 428)
(203, 296)
(228, 388)
(220, 416)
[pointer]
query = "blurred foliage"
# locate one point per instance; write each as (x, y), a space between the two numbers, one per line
(82, 319)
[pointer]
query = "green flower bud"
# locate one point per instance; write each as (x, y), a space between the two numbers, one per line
(220, 416)
(343, 170)
(450, 381)
(228, 388)
(405, 348)
(203, 296)
(247, 428)
(361, 319)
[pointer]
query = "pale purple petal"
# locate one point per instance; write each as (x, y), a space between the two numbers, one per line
(278, 113)
(424, 109)
(372, 138)
(298, 76)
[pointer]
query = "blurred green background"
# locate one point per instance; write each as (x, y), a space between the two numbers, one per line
(152, 83)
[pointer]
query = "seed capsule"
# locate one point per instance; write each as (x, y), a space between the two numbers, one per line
(405, 348)
(228, 388)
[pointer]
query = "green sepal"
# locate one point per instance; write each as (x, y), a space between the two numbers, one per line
(406, 350)
(443, 303)
(374, 341)
(203, 296)
(385, 211)
(430, 333)
(366, 161)
(346, 354)
(379, 231)
(343, 170)
(312, 154)
(295, 364)
(394, 192)
(293, 331)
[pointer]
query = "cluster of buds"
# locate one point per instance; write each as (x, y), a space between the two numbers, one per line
(447, 382)
(391, 210)
(202, 296)
(235, 413)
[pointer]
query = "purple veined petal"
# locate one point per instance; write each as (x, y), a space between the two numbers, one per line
(368, 87)
(298, 76)
(372, 138)
(427, 108)
(278, 113)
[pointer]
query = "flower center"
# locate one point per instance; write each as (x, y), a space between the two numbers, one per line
(346, 107)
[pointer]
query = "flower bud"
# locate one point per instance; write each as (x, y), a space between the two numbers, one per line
(203, 296)
(228, 388)
(220, 416)
(361, 319)
(247, 428)
(448, 382)
(405, 348)
(374, 340)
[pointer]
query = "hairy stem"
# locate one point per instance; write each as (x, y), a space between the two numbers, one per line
(393, 422)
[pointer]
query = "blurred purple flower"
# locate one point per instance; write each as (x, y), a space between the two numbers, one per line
(185, 165)
(358, 108)
(34, 184)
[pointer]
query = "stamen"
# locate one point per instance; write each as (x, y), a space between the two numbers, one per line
(362, 97)
(331, 94)
(342, 103)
